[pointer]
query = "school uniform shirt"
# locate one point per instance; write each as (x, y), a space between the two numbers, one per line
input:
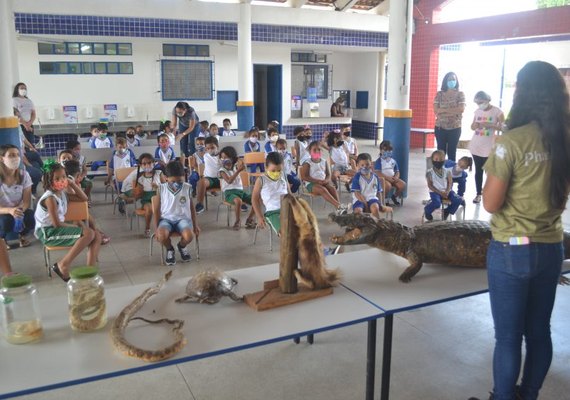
(164, 156)
(171, 137)
(144, 181)
(271, 191)
(303, 152)
(287, 163)
(175, 206)
(368, 187)
(351, 145)
(125, 160)
(451, 165)
(41, 215)
(339, 156)
(135, 143)
(483, 139)
(228, 133)
(438, 181)
(249, 147)
(211, 165)
(11, 196)
(269, 147)
(236, 184)
(98, 143)
(317, 170)
(388, 166)
(199, 160)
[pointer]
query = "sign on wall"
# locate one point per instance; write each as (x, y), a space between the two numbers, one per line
(110, 111)
(70, 114)
(296, 102)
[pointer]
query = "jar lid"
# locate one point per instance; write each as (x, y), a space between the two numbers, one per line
(84, 272)
(14, 281)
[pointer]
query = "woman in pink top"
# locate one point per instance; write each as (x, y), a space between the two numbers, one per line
(487, 121)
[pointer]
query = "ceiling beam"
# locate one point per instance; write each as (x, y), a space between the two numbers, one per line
(344, 5)
(381, 9)
(297, 3)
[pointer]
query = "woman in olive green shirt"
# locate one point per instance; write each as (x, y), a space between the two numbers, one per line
(528, 179)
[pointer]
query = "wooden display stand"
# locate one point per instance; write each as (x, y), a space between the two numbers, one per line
(285, 290)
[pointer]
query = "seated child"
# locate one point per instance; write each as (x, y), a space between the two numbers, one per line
(174, 212)
(210, 179)
(166, 129)
(440, 182)
(196, 162)
(86, 184)
(227, 131)
(213, 131)
(272, 138)
(301, 143)
(122, 157)
(140, 133)
(386, 167)
(340, 160)
(350, 142)
(164, 153)
(51, 228)
(73, 170)
(366, 189)
(288, 169)
(273, 125)
(316, 175)
(132, 139)
(142, 184)
(267, 192)
(252, 145)
(458, 172)
(204, 129)
(232, 186)
(64, 156)
(99, 140)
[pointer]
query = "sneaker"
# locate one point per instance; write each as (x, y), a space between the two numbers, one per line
(184, 254)
(342, 209)
(170, 257)
(200, 208)
(331, 251)
(429, 217)
(121, 205)
(395, 200)
(244, 207)
(477, 199)
(147, 233)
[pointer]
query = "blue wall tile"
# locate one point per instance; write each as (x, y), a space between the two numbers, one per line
(364, 129)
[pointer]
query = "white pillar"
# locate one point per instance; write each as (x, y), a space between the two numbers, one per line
(399, 54)
(380, 92)
(245, 65)
(8, 64)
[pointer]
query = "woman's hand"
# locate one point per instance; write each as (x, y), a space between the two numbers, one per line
(16, 212)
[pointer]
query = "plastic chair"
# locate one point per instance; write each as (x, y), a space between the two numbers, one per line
(252, 159)
(244, 175)
(120, 175)
(76, 211)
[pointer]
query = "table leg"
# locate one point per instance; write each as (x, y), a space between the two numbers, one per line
(310, 338)
(387, 356)
(371, 359)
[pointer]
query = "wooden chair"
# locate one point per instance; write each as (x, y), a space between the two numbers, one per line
(244, 175)
(253, 158)
(172, 235)
(120, 176)
(76, 211)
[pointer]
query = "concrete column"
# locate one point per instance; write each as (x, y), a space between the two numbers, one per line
(398, 116)
(245, 68)
(380, 94)
(8, 75)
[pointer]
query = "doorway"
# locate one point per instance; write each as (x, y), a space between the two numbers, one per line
(267, 89)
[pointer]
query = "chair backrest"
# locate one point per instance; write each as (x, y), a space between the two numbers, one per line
(256, 157)
(244, 179)
(122, 173)
(138, 150)
(97, 154)
(77, 211)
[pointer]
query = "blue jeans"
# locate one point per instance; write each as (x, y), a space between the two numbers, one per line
(294, 181)
(435, 203)
(193, 180)
(175, 226)
(522, 287)
(187, 143)
(461, 181)
(7, 223)
(36, 176)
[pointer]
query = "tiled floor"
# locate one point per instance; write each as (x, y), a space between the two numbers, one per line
(440, 352)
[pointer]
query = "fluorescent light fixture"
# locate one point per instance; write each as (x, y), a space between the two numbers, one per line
(220, 1)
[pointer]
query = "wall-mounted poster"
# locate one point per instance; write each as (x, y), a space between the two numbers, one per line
(296, 102)
(312, 94)
(110, 111)
(70, 114)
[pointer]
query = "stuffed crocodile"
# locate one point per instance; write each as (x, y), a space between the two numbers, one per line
(466, 242)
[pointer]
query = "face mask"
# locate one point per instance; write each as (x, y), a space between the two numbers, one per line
(364, 171)
(176, 186)
(451, 84)
(274, 175)
(23, 92)
(483, 106)
(315, 155)
(200, 149)
(282, 152)
(213, 152)
(437, 164)
(253, 140)
(179, 115)
(76, 154)
(63, 162)
(130, 135)
(227, 163)
(148, 169)
(12, 163)
(122, 151)
(60, 185)
(274, 138)
(102, 136)
(339, 144)
(301, 138)
(387, 154)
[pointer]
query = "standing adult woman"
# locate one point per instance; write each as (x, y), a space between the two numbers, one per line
(448, 105)
(336, 108)
(487, 121)
(528, 180)
(25, 111)
(15, 195)
(187, 121)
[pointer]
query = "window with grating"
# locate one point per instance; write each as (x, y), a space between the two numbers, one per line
(187, 80)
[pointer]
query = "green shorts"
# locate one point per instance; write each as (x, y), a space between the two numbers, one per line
(86, 182)
(309, 187)
(214, 183)
(231, 194)
(64, 236)
(274, 219)
(146, 197)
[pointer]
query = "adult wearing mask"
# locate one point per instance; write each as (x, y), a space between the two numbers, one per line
(448, 105)
(528, 180)
(336, 108)
(188, 123)
(488, 120)
(25, 111)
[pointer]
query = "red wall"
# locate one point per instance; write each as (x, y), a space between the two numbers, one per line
(428, 38)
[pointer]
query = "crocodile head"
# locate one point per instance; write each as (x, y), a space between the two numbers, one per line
(359, 229)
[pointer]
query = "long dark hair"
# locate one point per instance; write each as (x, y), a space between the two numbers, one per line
(17, 87)
(444, 87)
(541, 97)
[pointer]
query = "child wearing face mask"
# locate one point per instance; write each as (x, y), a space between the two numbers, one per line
(204, 129)
(301, 143)
(132, 139)
(267, 192)
(197, 164)
(140, 133)
(51, 228)
(122, 158)
(272, 138)
(339, 156)
(350, 142)
(366, 189)
(142, 184)
(212, 166)
(252, 146)
(227, 131)
(386, 167)
(458, 172)
(174, 212)
(86, 184)
(15, 196)
(232, 186)
(99, 140)
(316, 175)
(213, 131)
(440, 182)
(164, 153)
(166, 129)
(292, 178)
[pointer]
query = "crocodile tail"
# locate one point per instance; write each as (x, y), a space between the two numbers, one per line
(566, 245)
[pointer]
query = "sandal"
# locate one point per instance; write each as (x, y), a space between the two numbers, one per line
(104, 238)
(55, 268)
(237, 226)
(147, 233)
(24, 242)
(250, 224)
